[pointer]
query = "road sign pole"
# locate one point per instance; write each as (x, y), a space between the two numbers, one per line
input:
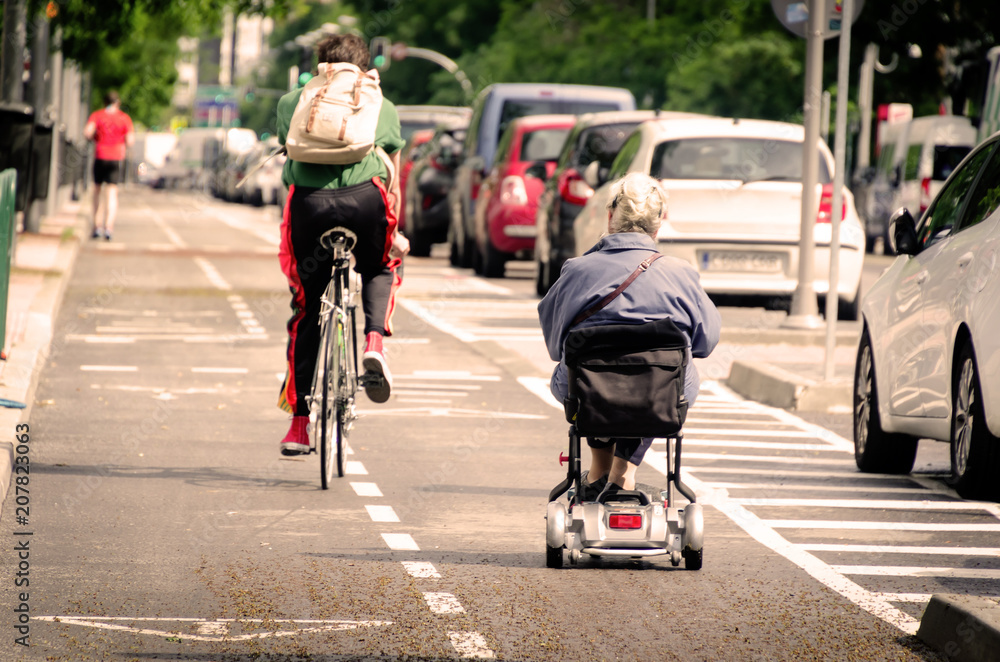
(839, 156)
(805, 311)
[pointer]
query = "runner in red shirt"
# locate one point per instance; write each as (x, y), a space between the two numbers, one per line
(111, 130)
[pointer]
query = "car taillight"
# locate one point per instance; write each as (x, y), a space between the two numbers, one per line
(512, 191)
(573, 189)
(826, 205)
(625, 521)
(925, 194)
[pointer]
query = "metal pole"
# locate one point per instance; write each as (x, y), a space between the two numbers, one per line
(824, 113)
(839, 153)
(59, 128)
(805, 311)
(445, 63)
(866, 88)
(15, 37)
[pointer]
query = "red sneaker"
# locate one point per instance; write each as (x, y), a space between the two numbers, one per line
(296, 442)
(375, 364)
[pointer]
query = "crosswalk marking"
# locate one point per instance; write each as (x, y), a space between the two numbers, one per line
(917, 571)
(903, 549)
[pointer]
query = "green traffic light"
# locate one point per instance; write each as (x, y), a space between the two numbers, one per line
(250, 96)
(379, 60)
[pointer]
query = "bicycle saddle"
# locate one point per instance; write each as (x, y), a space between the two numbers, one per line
(331, 237)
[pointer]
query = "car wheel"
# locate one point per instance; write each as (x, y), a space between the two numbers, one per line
(875, 450)
(847, 311)
(494, 261)
(974, 451)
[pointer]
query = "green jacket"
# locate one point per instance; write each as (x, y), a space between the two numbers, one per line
(313, 175)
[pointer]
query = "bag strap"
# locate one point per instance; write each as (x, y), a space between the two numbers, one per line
(621, 288)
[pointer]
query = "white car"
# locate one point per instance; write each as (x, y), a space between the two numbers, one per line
(735, 206)
(928, 363)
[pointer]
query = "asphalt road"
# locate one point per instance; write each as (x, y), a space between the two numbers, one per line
(165, 525)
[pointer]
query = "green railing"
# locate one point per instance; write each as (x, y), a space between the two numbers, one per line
(8, 194)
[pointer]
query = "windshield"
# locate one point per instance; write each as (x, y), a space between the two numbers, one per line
(601, 143)
(744, 159)
(520, 108)
(543, 145)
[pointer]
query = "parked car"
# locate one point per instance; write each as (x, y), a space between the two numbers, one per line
(735, 206)
(508, 197)
(427, 186)
(595, 137)
(263, 186)
(411, 152)
(493, 110)
(915, 158)
(928, 363)
(426, 118)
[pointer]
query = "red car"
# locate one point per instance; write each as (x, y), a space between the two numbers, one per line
(508, 197)
(411, 152)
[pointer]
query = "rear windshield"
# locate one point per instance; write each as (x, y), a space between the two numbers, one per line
(745, 159)
(601, 143)
(543, 145)
(512, 109)
(947, 158)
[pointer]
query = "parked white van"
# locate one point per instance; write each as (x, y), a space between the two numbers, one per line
(915, 158)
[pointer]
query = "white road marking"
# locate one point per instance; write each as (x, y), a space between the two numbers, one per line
(769, 433)
(540, 387)
(175, 239)
(717, 442)
(109, 368)
(879, 526)
(213, 275)
(165, 337)
(443, 387)
(440, 394)
(272, 237)
(111, 340)
(400, 542)
(299, 626)
(902, 549)
(382, 513)
(366, 489)
(421, 570)
(875, 504)
(230, 371)
(455, 375)
(777, 459)
(355, 468)
(903, 597)
(443, 603)
(471, 644)
(450, 411)
(917, 571)
(814, 487)
(184, 329)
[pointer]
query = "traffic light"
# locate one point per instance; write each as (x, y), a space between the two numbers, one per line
(381, 54)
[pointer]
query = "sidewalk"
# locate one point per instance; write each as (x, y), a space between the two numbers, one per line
(39, 273)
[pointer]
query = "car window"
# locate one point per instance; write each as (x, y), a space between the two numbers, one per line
(947, 158)
(514, 108)
(985, 197)
(885, 158)
(543, 144)
(624, 159)
(912, 165)
(745, 159)
(601, 143)
(503, 148)
(942, 215)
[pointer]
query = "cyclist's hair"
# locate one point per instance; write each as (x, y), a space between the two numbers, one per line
(110, 97)
(348, 48)
(638, 204)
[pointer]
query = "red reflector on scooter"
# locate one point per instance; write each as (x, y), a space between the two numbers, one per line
(625, 521)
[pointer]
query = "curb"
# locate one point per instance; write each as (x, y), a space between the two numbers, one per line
(966, 628)
(777, 387)
(29, 355)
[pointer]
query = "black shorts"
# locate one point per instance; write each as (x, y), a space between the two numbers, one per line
(108, 172)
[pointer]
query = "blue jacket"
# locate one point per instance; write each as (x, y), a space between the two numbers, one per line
(669, 288)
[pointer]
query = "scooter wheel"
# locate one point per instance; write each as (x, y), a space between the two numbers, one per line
(692, 558)
(553, 557)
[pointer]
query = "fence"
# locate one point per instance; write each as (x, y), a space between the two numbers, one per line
(8, 195)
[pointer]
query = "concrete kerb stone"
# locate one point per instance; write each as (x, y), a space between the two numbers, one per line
(966, 628)
(775, 386)
(27, 356)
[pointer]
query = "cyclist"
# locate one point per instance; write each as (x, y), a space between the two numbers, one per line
(669, 289)
(321, 197)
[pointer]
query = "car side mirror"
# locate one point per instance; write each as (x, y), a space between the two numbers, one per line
(592, 175)
(538, 170)
(903, 233)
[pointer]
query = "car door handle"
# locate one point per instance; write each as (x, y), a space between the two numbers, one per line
(922, 278)
(965, 260)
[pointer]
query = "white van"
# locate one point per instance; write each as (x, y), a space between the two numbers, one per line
(915, 159)
(492, 112)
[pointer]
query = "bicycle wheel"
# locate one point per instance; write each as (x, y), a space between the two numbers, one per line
(328, 418)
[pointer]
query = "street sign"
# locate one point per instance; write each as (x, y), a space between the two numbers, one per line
(794, 15)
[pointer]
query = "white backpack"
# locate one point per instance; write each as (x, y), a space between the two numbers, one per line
(336, 116)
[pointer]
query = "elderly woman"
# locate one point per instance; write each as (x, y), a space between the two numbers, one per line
(669, 288)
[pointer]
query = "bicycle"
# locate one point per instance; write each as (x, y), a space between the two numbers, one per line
(335, 380)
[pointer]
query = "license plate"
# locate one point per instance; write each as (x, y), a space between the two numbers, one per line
(740, 261)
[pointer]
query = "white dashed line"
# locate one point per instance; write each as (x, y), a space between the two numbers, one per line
(366, 489)
(400, 542)
(382, 513)
(443, 603)
(231, 371)
(355, 468)
(213, 275)
(109, 368)
(470, 644)
(421, 570)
